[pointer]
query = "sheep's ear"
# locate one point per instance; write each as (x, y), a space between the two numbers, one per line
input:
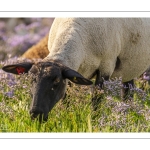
(75, 77)
(18, 68)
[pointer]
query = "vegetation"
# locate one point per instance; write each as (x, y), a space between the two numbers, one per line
(74, 113)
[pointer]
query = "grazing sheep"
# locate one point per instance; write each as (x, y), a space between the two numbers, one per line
(40, 50)
(101, 47)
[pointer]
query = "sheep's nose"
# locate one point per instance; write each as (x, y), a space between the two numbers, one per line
(35, 112)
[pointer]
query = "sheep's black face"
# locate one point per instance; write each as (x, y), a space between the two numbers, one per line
(48, 88)
(48, 85)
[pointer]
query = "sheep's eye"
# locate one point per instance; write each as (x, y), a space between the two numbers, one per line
(57, 80)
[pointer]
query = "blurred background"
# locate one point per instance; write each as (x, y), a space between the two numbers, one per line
(19, 34)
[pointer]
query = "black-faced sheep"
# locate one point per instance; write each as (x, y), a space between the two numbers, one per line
(101, 47)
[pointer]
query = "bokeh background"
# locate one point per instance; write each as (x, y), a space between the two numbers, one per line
(19, 34)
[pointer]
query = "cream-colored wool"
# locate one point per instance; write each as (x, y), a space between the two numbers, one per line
(90, 44)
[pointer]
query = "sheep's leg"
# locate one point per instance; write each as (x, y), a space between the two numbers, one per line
(97, 97)
(105, 70)
(126, 89)
(100, 80)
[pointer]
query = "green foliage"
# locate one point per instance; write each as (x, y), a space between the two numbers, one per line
(75, 112)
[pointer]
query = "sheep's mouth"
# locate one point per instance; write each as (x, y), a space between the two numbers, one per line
(37, 114)
(40, 117)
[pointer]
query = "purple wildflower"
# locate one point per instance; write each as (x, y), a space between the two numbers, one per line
(10, 94)
(22, 35)
(146, 76)
(20, 29)
(2, 26)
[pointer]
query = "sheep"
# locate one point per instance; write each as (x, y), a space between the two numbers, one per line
(81, 48)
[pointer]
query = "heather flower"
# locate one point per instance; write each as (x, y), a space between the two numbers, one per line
(113, 87)
(2, 26)
(20, 29)
(2, 37)
(11, 83)
(146, 76)
(23, 36)
(44, 31)
(10, 94)
(33, 26)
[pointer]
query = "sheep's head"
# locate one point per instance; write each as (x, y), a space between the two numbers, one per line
(48, 86)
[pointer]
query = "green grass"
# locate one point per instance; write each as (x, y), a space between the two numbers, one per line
(75, 112)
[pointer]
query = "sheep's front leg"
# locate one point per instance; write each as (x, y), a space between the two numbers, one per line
(96, 99)
(126, 89)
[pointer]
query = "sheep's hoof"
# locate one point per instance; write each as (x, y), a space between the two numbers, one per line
(126, 95)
